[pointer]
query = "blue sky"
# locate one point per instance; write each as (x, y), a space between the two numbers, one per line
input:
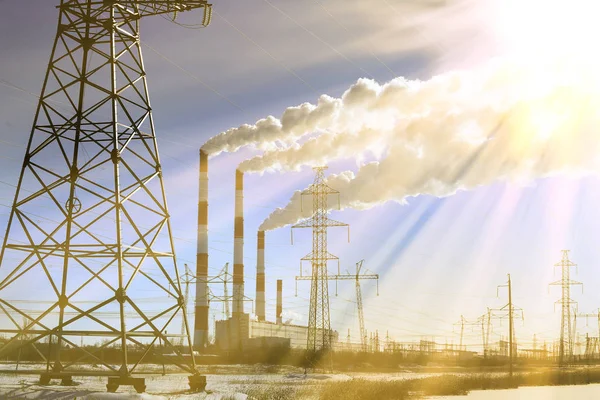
(437, 258)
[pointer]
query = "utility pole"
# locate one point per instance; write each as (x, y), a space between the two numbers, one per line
(485, 321)
(488, 330)
(461, 323)
(348, 346)
(508, 311)
(566, 340)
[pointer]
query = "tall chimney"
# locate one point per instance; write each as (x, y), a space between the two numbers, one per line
(260, 276)
(238, 246)
(201, 312)
(279, 309)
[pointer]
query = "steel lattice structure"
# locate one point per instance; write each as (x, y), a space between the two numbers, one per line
(92, 169)
(566, 339)
(222, 278)
(359, 303)
(319, 323)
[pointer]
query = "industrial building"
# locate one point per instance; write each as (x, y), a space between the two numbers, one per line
(241, 332)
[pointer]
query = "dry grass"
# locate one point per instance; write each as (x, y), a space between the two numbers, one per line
(445, 385)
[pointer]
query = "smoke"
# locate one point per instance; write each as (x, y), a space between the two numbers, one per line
(460, 131)
(272, 133)
(361, 101)
(371, 115)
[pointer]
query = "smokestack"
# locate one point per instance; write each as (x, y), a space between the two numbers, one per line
(279, 308)
(238, 246)
(260, 276)
(201, 312)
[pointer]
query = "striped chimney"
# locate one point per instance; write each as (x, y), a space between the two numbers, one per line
(238, 246)
(201, 312)
(260, 276)
(279, 309)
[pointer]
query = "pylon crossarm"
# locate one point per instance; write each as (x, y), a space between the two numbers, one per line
(331, 223)
(311, 257)
(352, 277)
(307, 223)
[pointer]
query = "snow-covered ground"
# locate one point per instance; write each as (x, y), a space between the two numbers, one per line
(221, 384)
(587, 392)
(229, 382)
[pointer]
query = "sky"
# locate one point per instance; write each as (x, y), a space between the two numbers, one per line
(438, 258)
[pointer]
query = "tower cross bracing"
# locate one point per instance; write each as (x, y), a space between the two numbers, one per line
(92, 169)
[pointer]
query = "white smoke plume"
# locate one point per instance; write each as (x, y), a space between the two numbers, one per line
(273, 133)
(460, 131)
(336, 114)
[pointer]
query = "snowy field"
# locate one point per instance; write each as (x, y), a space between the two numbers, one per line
(222, 383)
(229, 382)
(587, 392)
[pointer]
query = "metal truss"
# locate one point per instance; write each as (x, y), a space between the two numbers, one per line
(319, 323)
(566, 332)
(223, 278)
(89, 221)
(359, 303)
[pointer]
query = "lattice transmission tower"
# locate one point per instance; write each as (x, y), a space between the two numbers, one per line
(92, 169)
(357, 277)
(319, 335)
(566, 339)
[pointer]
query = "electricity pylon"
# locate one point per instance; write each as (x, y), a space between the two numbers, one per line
(359, 305)
(566, 340)
(186, 279)
(587, 316)
(223, 278)
(319, 323)
(486, 326)
(463, 322)
(92, 167)
(357, 277)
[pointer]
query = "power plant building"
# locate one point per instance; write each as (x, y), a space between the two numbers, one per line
(231, 334)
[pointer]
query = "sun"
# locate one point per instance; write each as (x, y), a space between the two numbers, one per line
(550, 29)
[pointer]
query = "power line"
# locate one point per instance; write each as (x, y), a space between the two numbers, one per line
(280, 63)
(369, 49)
(317, 37)
(194, 77)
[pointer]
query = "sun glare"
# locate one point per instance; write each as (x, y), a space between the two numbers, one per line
(549, 28)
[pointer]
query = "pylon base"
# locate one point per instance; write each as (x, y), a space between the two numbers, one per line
(139, 384)
(65, 379)
(197, 383)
